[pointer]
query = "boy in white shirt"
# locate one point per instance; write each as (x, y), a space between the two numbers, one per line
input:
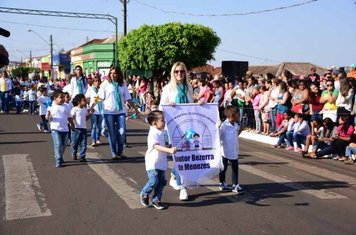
(80, 115)
(59, 117)
(156, 160)
(44, 102)
(229, 133)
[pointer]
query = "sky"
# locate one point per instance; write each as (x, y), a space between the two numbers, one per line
(322, 32)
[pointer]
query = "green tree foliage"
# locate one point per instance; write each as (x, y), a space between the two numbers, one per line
(24, 71)
(157, 48)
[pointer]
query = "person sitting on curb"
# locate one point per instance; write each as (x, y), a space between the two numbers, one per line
(299, 134)
(286, 125)
(317, 130)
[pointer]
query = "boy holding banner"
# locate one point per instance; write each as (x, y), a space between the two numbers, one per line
(229, 133)
(156, 160)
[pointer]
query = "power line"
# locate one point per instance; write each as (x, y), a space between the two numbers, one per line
(226, 14)
(250, 56)
(54, 27)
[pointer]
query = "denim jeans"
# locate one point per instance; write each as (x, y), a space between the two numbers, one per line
(79, 138)
(44, 122)
(156, 181)
(258, 120)
(299, 139)
(5, 101)
(176, 174)
(59, 145)
(349, 151)
(18, 106)
(281, 138)
(96, 121)
(32, 107)
(289, 137)
(241, 110)
(116, 124)
(272, 115)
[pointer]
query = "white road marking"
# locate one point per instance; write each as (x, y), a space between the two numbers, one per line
(23, 196)
(120, 186)
(321, 193)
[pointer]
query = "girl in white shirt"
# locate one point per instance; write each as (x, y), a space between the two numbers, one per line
(80, 115)
(96, 117)
(229, 133)
(59, 116)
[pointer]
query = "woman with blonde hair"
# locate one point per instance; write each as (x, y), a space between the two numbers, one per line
(178, 91)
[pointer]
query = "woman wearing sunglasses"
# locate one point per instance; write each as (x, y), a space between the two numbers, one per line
(178, 91)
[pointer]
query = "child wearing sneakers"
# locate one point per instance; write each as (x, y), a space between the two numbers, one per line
(80, 115)
(59, 117)
(44, 102)
(156, 160)
(229, 133)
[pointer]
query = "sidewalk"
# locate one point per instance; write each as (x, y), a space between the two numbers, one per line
(259, 138)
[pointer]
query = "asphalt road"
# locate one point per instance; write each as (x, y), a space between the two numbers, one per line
(285, 194)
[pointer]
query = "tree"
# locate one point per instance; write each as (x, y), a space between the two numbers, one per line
(157, 48)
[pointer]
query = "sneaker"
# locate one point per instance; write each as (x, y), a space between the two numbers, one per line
(224, 187)
(290, 148)
(183, 195)
(74, 157)
(173, 183)
(122, 156)
(238, 190)
(298, 150)
(157, 204)
(350, 161)
(98, 142)
(47, 131)
(39, 127)
(114, 157)
(145, 200)
(93, 144)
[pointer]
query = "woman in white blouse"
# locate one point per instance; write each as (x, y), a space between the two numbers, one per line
(114, 95)
(178, 91)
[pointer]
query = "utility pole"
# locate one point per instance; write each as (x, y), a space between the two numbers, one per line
(30, 58)
(51, 45)
(124, 2)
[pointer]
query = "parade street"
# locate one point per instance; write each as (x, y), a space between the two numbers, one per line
(284, 193)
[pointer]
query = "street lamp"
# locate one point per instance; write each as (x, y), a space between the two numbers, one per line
(50, 43)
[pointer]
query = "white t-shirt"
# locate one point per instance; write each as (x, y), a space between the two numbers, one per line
(79, 117)
(43, 101)
(31, 95)
(91, 94)
(59, 117)
(107, 94)
(229, 140)
(153, 158)
(274, 94)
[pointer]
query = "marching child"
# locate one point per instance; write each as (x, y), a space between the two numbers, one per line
(80, 115)
(229, 133)
(59, 116)
(68, 105)
(32, 99)
(44, 102)
(156, 160)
